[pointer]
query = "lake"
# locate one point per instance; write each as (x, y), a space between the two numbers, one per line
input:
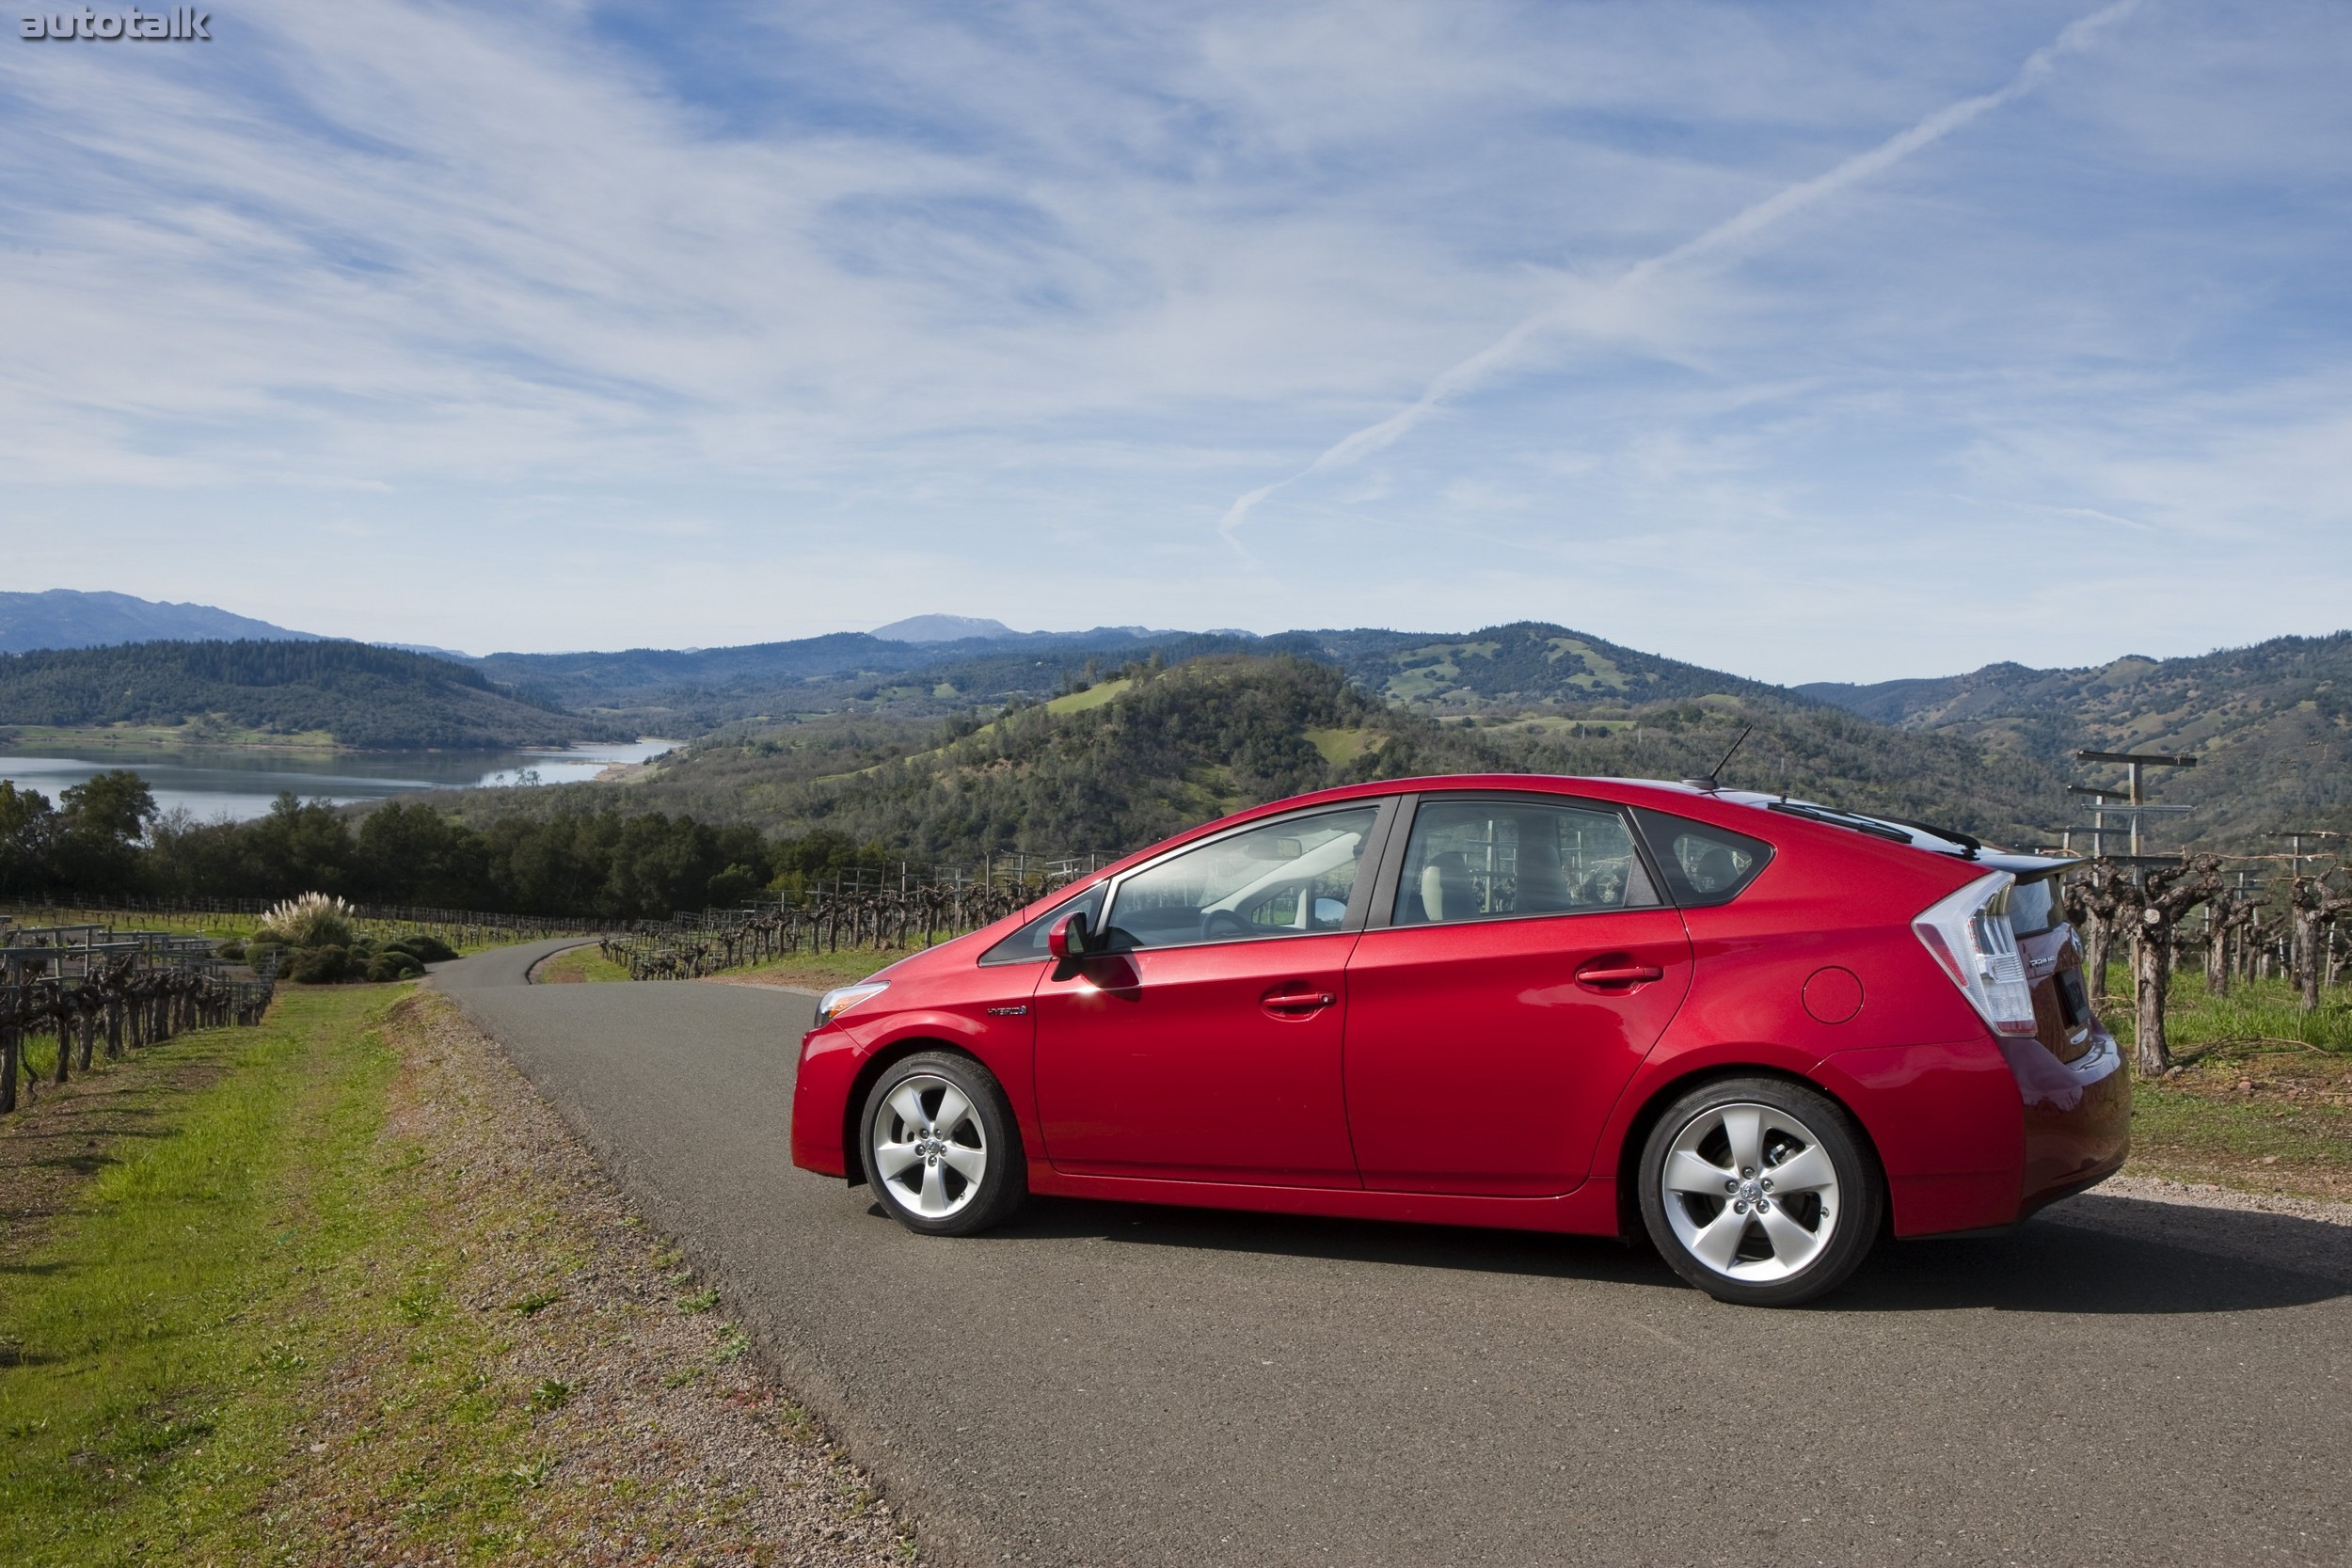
(242, 782)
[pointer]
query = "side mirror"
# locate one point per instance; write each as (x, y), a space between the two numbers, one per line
(1068, 938)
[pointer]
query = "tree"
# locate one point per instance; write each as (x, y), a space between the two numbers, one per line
(2226, 913)
(27, 828)
(2312, 901)
(412, 853)
(2094, 902)
(104, 819)
(2151, 900)
(116, 804)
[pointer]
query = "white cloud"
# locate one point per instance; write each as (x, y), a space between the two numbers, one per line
(837, 313)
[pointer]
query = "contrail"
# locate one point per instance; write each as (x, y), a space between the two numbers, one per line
(1725, 237)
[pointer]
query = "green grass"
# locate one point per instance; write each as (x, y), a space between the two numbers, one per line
(166, 1337)
(2253, 1014)
(823, 970)
(579, 965)
(2262, 1094)
(1340, 746)
(1092, 697)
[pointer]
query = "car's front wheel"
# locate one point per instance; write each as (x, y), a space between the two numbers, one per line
(942, 1149)
(1759, 1191)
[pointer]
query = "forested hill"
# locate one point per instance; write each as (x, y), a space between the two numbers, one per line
(1523, 664)
(2271, 727)
(1153, 750)
(359, 695)
(691, 692)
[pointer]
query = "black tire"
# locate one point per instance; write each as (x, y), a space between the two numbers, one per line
(1766, 1261)
(1003, 1183)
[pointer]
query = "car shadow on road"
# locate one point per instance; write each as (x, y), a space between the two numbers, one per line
(1379, 1241)
(2098, 1254)
(2106, 1255)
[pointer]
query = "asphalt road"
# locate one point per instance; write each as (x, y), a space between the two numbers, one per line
(2121, 1381)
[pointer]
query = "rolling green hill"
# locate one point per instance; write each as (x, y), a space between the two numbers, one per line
(1154, 749)
(2271, 727)
(359, 695)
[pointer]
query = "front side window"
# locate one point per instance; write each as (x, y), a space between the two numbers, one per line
(1495, 858)
(1703, 865)
(1288, 878)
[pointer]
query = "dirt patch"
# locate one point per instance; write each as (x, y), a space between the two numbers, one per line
(658, 1438)
(2271, 1121)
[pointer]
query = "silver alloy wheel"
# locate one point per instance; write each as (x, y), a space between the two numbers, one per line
(929, 1147)
(1750, 1192)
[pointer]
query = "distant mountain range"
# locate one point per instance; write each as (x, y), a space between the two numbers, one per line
(2271, 725)
(63, 618)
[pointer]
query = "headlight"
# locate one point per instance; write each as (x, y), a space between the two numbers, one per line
(841, 999)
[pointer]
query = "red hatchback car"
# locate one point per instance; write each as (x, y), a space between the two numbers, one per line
(1761, 1030)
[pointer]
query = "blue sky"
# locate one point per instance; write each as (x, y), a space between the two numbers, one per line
(1812, 342)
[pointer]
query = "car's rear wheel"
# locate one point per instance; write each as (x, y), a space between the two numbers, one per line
(942, 1149)
(1759, 1191)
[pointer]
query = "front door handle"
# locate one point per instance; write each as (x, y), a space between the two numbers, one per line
(1616, 973)
(1296, 1004)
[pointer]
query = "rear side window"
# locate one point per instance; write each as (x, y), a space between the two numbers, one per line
(1503, 858)
(1028, 942)
(1703, 865)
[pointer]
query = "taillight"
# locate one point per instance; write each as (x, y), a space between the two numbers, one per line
(1969, 934)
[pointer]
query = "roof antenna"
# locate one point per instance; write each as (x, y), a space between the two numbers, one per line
(1707, 781)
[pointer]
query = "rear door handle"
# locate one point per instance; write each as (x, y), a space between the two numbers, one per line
(1611, 972)
(1298, 1001)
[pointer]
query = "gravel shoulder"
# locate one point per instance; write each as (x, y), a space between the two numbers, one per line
(654, 1433)
(2207, 1195)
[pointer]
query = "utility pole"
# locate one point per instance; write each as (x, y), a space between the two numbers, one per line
(2136, 761)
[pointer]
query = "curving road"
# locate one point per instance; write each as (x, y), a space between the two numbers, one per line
(2121, 1381)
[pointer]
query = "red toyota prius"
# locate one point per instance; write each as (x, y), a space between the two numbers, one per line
(1761, 1030)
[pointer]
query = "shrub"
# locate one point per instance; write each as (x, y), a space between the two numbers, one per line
(428, 949)
(232, 950)
(314, 920)
(393, 964)
(318, 966)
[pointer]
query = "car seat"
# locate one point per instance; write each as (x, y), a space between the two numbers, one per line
(1543, 886)
(1445, 887)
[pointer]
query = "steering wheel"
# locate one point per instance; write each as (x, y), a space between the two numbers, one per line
(1225, 923)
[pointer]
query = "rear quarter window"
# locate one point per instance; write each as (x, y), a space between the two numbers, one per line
(1702, 864)
(2036, 907)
